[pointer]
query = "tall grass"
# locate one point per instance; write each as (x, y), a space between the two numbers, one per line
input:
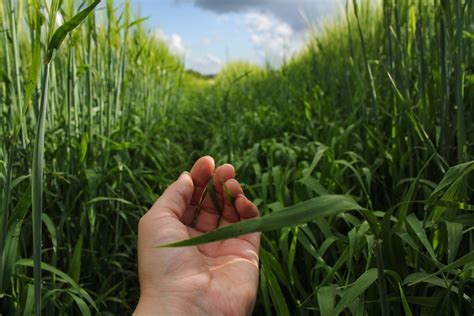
(378, 107)
(77, 149)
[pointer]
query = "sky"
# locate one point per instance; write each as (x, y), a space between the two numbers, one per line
(209, 33)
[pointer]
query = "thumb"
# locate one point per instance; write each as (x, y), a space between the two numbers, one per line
(176, 197)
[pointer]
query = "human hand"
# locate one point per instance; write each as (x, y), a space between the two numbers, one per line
(219, 278)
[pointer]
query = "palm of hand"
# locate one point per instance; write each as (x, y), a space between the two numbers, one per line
(217, 278)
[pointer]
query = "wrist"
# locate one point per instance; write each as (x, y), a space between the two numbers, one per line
(166, 306)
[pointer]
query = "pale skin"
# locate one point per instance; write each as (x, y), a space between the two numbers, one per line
(220, 278)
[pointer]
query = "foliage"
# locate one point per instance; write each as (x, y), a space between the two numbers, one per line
(377, 107)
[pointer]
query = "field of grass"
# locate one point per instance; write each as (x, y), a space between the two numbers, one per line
(379, 106)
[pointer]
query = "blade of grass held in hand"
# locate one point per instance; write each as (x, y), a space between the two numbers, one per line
(229, 194)
(215, 201)
(198, 208)
(301, 213)
(213, 196)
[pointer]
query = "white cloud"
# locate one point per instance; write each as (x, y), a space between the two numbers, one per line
(284, 30)
(258, 22)
(174, 42)
(207, 64)
(272, 38)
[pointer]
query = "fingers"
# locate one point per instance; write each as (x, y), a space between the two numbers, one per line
(209, 215)
(229, 213)
(246, 210)
(183, 196)
(201, 173)
(223, 173)
(176, 197)
(242, 208)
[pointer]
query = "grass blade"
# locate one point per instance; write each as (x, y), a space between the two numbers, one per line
(420, 233)
(37, 190)
(406, 307)
(326, 300)
(468, 258)
(454, 239)
(357, 289)
(297, 214)
(61, 33)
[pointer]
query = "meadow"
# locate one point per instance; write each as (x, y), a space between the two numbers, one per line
(98, 117)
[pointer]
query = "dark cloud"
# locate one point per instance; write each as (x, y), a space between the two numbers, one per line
(288, 11)
(229, 6)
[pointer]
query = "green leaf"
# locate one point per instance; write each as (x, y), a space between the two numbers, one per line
(468, 35)
(62, 277)
(61, 33)
(453, 184)
(427, 278)
(468, 258)
(326, 296)
(357, 289)
(85, 310)
(415, 224)
(356, 11)
(273, 285)
(75, 263)
(340, 261)
(213, 195)
(454, 239)
(406, 307)
(452, 204)
(314, 185)
(138, 21)
(297, 214)
(199, 207)
(83, 150)
(36, 60)
(30, 299)
(229, 195)
(9, 255)
(51, 229)
(264, 290)
(292, 251)
(310, 248)
(12, 238)
(21, 208)
(452, 175)
(19, 180)
(44, 266)
(408, 197)
(307, 110)
(106, 198)
(372, 221)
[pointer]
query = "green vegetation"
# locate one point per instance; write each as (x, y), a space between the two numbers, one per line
(378, 107)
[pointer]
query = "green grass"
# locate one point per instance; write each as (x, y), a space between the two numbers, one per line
(376, 110)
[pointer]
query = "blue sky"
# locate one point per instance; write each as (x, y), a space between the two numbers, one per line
(209, 33)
